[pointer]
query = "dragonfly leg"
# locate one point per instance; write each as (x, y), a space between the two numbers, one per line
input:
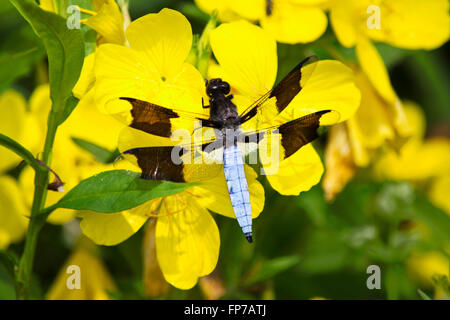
(203, 104)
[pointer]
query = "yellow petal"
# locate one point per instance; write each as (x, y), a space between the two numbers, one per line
(247, 55)
(13, 221)
(95, 282)
(165, 38)
(423, 266)
(225, 9)
(112, 228)
(122, 72)
(438, 192)
(88, 123)
(373, 66)
(27, 128)
(331, 86)
(417, 161)
(213, 194)
(346, 17)
(108, 22)
(40, 104)
(12, 107)
(250, 9)
(298, 173)
(361, 154)
(47, 5)
(87, 77)
(311, 2)
(413, 24)
(187, 242)
(416, 119)
(293, 23)
(373, 119)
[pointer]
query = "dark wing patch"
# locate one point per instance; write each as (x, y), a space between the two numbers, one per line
(299, 132)
(284, 91)
(151, 118)
(290, 86)
(154, 119)
(156, 163)
(294, 134)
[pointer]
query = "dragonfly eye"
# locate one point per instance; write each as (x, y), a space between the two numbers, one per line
(225, 87)
(217, 86)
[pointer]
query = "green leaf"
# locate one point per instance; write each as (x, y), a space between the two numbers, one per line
(64, 46)
(114, 191)
(273, 267)
(17, 148)
(10, 263)
(434, 217)
(314, 205)
(101, 154)
(396, 282)
(20, 50)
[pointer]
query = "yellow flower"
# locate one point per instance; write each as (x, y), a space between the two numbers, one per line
(153, 69)
(107, 20)
(69, 161)
(288, 21)
(438, 192)
(420, 160)
(409, 24)
(186, 235)
(424, 265)
(110, 23)
(19, 124)
(248, 61)
(13, 221)
(83, 276)
(379, 121)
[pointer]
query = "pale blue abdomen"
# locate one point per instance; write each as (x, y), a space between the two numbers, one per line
(238, 188)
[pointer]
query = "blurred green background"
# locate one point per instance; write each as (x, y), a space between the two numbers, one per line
(304, 247)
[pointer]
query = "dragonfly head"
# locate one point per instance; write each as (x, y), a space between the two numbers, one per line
(217, 86)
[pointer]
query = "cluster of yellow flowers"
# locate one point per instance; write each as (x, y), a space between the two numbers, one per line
(146, 59)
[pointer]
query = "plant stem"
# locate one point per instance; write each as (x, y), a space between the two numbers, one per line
(203, 46)
(36, 220)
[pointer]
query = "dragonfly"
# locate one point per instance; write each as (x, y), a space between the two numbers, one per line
(156, 162)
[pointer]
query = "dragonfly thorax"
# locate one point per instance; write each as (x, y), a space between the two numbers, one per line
(222, 110)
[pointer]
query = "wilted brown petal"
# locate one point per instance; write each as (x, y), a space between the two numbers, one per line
(154, 283)
(339, 164)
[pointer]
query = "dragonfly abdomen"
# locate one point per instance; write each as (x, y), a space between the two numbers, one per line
(238, 188)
